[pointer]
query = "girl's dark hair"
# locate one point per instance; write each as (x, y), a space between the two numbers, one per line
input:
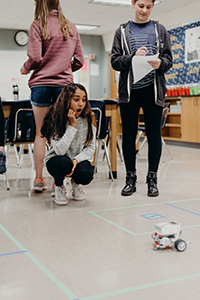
(55, 122)
(42, 10)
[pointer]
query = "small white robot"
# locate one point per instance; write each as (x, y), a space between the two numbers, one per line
(167, 235)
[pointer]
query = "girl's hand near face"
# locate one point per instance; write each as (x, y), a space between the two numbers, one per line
(141, 51)
(72, 118)
(75, 162)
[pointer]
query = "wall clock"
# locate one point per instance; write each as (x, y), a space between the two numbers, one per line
(21, 38)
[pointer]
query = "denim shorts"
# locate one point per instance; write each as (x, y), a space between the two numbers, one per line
(44, 96)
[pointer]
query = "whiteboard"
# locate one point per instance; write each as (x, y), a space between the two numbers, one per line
(10, 64)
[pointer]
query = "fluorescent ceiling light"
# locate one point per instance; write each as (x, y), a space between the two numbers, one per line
(115, 2)
(85, 27)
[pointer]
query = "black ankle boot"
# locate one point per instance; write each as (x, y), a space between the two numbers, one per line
(151, 180)
(130, 186)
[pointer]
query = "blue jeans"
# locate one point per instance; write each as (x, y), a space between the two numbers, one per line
(44, 96)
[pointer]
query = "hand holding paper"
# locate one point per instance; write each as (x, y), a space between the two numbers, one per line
(141, 67)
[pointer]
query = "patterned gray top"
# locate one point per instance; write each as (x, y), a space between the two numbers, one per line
(72, 143)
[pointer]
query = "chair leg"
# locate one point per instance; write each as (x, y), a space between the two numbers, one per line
(31, 155)
(104, 154)
(143, 142)
(119, 152)
(19, 154)
(163, 142)
(97, 154)
(138, 136)
(7, 182)
(108, 160)
(118, 149)
(6, 174)
(7, 151)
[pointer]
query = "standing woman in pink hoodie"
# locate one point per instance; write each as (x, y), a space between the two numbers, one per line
(54, 51)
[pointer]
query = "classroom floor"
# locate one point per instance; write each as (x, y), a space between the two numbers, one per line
(101, 248)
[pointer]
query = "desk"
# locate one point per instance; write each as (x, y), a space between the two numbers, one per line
(112, 112)
(7, 107)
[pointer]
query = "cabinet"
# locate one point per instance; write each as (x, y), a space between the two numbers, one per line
(183, 126)
(172, 130)
(190, 119)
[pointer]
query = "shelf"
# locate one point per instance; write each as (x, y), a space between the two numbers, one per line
(170, 138)
(174, 114)
(172, 125)
(173, 98)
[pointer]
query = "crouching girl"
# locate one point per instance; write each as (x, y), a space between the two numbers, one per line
(70, 124)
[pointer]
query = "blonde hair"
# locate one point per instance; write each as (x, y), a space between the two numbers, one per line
(42, 10)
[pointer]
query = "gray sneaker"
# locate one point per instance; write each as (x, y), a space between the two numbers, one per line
(2, 163)
(60, 195)
(39, 185)
(77, 192)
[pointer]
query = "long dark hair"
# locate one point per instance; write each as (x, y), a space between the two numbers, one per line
(42, 10)
(56, 120)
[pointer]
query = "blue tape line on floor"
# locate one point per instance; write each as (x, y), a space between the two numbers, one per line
(48, 273)
(191, 212)
(12, 253)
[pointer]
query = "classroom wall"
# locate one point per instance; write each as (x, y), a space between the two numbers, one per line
(99, 69)
(12, 57)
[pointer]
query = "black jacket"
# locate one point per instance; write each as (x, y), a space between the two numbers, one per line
(121, 58)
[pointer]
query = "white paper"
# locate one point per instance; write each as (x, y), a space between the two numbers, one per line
(141, 67)
(94, 70)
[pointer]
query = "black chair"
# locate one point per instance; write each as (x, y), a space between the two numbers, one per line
(21, 129)
(5, 131)
(98, 107)
(141, 130)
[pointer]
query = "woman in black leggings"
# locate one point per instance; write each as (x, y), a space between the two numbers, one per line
(152, 116)
(2, 137)
(141, 37)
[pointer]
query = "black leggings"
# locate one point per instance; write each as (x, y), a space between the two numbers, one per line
(152, 115)
(61, 165)
(2, 125)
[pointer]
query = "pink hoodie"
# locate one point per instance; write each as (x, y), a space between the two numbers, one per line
(53, 60)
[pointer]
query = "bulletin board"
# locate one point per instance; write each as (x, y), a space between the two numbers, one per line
(10, 64)
(185, 42)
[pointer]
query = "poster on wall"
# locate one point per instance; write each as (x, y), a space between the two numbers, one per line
(186, 61)
(192, 45)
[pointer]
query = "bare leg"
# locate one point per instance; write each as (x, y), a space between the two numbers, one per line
(39, 144)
